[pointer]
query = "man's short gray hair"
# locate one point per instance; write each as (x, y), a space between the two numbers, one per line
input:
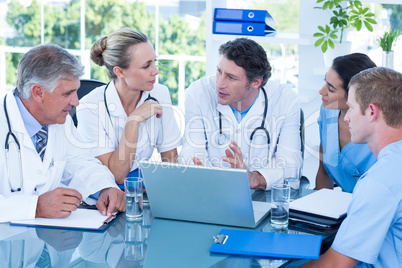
(45, 65)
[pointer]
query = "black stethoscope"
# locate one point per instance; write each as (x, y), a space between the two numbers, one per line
(108, 112)
(10, 135)
(222, 138)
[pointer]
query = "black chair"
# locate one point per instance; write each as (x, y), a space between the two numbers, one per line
(304, 181)
(87, 85)
(302, 131)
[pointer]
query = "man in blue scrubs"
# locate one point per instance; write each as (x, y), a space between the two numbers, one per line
(371, 235)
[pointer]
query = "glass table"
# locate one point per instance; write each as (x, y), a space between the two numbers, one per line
(149, 242)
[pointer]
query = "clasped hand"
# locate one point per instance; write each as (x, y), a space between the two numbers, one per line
(146, 111)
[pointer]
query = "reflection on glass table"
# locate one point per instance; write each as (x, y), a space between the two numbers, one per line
(27, 247)
(147, 242)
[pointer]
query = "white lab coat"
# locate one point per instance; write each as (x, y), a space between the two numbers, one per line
(63, 163)
(282, 122)
(96, 127)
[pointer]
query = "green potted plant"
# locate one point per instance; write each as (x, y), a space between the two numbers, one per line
(345, 14)
(387, 42)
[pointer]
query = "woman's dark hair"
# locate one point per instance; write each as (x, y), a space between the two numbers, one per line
(349, 65)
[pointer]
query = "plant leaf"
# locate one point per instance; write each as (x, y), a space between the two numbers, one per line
(372, 21)
(318, 42)
(368, 26)
(358, 25)
(333, 36)
(331, 43)
(324, 47)
(321, 29)
(353, 17)
(318, 34)
(355, 12)
(358, 3)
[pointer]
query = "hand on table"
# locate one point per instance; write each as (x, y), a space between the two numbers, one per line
(111, 200)
(58, 203)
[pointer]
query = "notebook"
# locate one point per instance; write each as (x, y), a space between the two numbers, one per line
(324, 208)
(201, 194)
(80, 219)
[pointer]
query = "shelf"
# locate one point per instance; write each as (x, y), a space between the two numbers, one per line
(392, 2)
(278, 38)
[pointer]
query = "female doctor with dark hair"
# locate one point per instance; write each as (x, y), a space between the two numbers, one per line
(125, 120)
(341, 161)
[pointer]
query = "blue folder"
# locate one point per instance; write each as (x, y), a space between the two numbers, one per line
(242, 28)
(250, 15)
(264, 244)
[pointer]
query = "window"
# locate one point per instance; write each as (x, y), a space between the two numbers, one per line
(179, 41)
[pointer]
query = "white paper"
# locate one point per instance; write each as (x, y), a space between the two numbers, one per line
(79, 219)
(324, 202)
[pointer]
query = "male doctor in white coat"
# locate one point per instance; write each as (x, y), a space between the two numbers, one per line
(35, 119)
(236, 119)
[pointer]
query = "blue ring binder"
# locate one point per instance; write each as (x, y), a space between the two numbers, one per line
(243, 22)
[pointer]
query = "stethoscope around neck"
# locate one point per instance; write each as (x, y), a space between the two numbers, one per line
(10, 135)
(108, 112)
(222, 139)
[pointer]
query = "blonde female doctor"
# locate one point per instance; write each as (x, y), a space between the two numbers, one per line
(126, 119)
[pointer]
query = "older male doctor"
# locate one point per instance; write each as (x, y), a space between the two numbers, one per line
(236, 119)
(38, 152)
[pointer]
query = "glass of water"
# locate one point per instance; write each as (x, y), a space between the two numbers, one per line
(291, 177)
(133, 187)
(280, 197)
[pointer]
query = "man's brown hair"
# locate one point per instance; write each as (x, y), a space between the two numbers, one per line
(382, 87)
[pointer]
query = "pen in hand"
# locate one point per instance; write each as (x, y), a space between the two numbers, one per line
(110, 218)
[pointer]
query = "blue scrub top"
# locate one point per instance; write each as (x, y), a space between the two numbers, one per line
(134, 173)
(372, 231)
(344, 167)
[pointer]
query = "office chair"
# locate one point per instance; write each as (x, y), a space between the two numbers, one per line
(304, 182)
(87, 85)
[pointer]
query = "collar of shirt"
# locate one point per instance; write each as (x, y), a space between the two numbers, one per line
(114, 103)
(31, 124)
(240, 115)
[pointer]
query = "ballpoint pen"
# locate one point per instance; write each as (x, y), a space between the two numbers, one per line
(83, 204)
(110, 218)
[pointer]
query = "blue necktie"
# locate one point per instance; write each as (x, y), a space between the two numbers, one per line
(44, 259)
(41, 141)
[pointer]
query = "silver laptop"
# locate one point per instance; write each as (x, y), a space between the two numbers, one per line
(201, 194)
